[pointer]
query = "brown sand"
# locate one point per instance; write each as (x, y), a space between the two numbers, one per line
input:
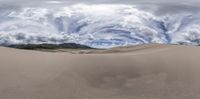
(141, 72)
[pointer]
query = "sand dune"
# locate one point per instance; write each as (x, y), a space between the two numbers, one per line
(138, 72)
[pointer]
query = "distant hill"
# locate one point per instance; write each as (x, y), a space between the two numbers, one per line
(50, 46)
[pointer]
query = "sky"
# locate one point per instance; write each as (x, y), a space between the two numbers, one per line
(168, 21)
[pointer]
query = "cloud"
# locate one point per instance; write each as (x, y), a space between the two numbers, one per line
(160, 7)
(43, 2)
(176, 8)
(54, 2)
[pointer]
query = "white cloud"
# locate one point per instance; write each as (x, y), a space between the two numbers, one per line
(54, 2)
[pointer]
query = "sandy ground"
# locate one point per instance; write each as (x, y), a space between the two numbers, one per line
(138, 72)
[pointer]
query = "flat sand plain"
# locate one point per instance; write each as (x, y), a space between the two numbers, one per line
(136, 72)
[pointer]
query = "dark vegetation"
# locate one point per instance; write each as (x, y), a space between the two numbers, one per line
(50, 46)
